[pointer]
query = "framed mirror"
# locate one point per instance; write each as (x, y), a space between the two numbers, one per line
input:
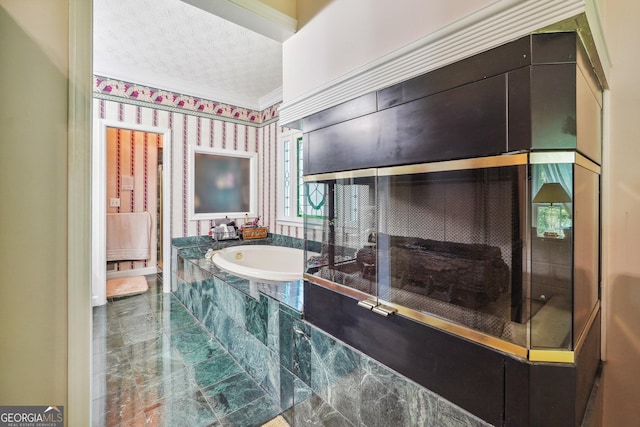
(222, 183)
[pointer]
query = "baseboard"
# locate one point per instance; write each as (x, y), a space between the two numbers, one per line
(98, 301)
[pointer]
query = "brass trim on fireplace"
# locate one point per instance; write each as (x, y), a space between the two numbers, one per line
(345, 290)
(451, 165)
(566, 356)
(552, 356)
(425, 318)
(385, 308)
(534, 355)
(540, 157)
(460, 330)
(448, 165)
(358, 173)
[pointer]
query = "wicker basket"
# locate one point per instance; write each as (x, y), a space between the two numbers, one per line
(255, 232)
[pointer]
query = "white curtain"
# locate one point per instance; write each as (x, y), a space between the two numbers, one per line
(556, 172)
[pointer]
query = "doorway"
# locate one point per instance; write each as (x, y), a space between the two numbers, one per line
(129, 190)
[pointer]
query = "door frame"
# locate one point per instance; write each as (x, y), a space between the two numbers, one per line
(99, 206)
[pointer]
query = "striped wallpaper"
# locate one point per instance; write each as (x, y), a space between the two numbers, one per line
(133, 154)
(189, 128)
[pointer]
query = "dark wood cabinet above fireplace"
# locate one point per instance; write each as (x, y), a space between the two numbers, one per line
(522, 96)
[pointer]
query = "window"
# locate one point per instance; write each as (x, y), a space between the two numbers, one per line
(294, 203)
(222, 183)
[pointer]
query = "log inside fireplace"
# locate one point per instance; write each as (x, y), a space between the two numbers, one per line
(470, 275)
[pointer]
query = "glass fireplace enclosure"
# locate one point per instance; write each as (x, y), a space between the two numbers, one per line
(501, 250)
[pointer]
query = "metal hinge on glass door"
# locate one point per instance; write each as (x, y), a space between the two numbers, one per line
(377, 308)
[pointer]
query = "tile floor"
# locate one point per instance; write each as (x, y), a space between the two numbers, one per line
(154, 365)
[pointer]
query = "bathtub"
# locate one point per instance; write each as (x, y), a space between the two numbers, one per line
(273, 263)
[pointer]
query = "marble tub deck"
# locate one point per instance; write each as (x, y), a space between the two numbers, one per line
(154, 364)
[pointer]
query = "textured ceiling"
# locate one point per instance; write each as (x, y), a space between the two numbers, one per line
(171, 45)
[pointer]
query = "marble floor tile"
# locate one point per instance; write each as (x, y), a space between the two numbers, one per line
(254, 414)
(233, 393)
(135, 305)
(165, 387)
(315, 412)
(102, 344)
(112, 382)
(155, 365)
(117, 408)
(195, 345)
(138, 322)
(214, 370)
(175, 320)
(191, 410)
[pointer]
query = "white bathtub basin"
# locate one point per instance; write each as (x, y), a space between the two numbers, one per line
(274, 263)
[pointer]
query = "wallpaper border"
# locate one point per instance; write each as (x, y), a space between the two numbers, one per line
(145, 96)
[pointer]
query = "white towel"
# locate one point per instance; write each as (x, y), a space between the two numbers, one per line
(128, 236)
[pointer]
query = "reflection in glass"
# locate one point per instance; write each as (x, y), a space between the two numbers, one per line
(549, 217)
(490, 249)
(440, 243)
(551, 256)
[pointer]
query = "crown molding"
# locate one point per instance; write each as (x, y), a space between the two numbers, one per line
(272, 98)
(270, 14)
(594, 22)
(251, 14)
(497, 24)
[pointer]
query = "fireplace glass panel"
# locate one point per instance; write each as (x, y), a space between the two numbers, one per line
(586, 260)
(448, 243)
(476, 247)
(346, 224)
(551, 298)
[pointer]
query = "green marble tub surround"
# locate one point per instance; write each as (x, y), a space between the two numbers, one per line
(256, 314)
(273, 325)
(263, 365)
(336, 375)
(408, 404)
(286, 340)
(302, 351)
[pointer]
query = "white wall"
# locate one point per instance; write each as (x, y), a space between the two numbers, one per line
(622, 226)
(348, 34)
(353, 47)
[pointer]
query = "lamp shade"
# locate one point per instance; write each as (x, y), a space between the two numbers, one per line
(552, 192)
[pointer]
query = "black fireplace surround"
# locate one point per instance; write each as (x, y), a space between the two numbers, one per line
(517, 98)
